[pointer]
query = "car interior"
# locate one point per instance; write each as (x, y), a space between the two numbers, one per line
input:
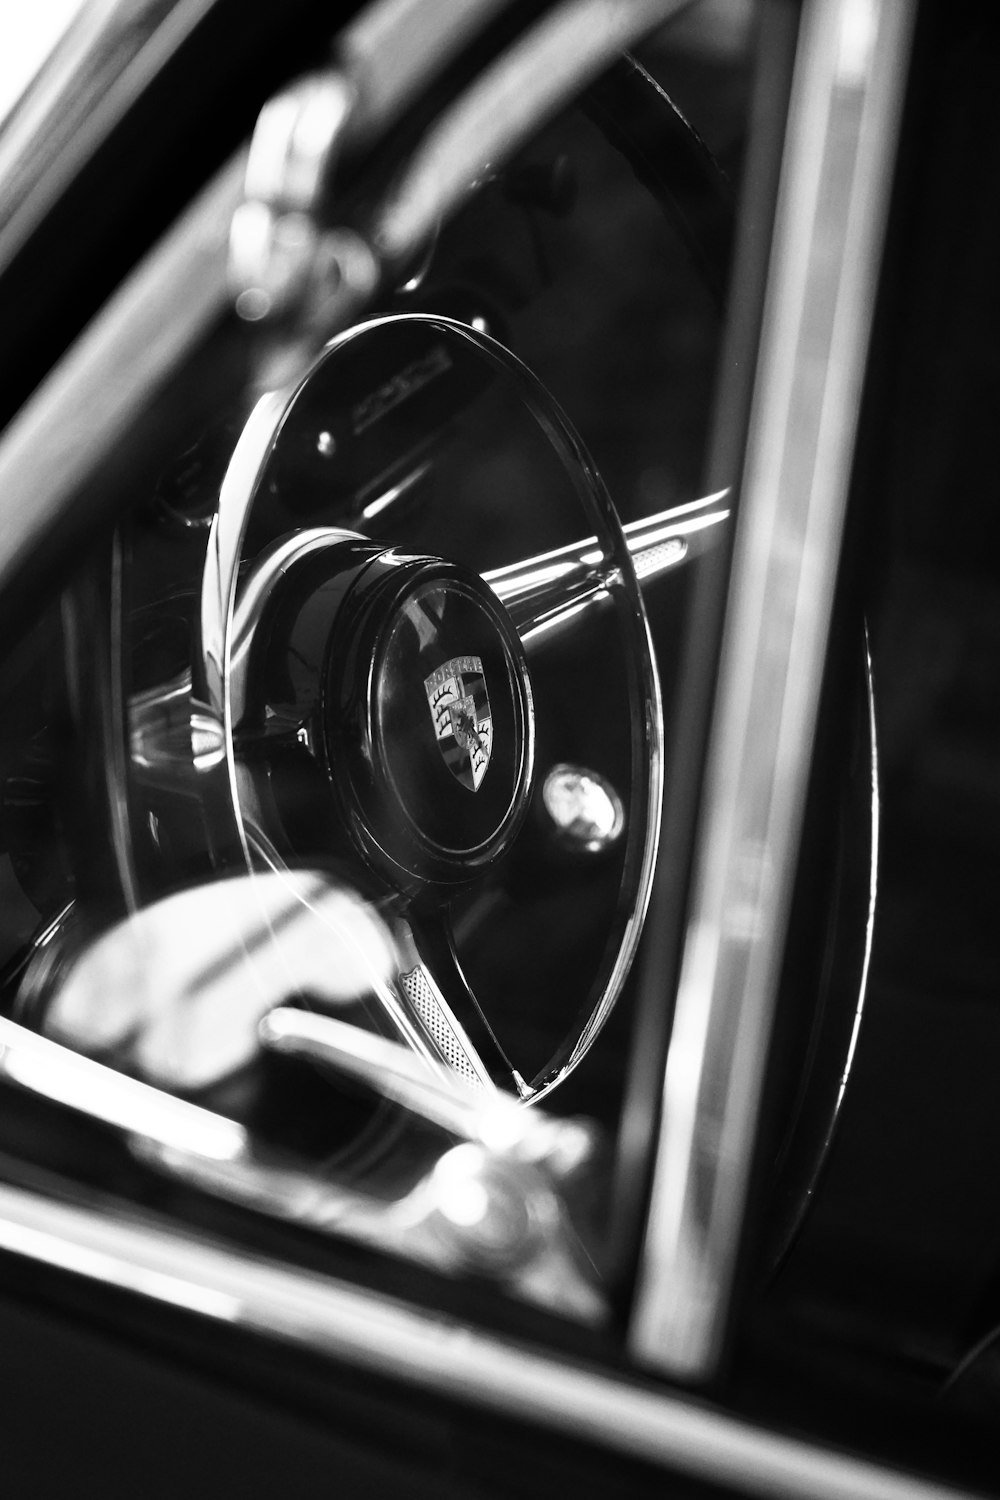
(497, 750)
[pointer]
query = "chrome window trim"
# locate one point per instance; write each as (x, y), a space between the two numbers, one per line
(840, 145)
(70, 106)
(446, 1357)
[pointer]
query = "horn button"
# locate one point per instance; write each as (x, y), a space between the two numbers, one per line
(424, 718)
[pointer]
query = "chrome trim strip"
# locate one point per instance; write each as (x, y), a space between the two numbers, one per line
(370, 1331)
(836, 177)
(76, 417)
(53, 1072)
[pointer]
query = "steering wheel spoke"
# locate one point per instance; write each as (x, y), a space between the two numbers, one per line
(435, 993)
(545, 593)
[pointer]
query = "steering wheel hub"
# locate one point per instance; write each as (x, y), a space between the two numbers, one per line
(428, 719)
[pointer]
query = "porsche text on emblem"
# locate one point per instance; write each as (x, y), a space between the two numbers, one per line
(460, 712)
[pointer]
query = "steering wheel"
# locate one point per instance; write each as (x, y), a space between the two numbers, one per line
(377, 708)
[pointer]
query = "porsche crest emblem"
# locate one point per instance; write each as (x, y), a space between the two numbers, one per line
(460, 712)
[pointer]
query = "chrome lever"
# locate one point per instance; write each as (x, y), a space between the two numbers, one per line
(497, 1202)
(491, 1120)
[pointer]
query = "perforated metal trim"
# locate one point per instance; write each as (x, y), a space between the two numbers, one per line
(660, 556)
(417, 990)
